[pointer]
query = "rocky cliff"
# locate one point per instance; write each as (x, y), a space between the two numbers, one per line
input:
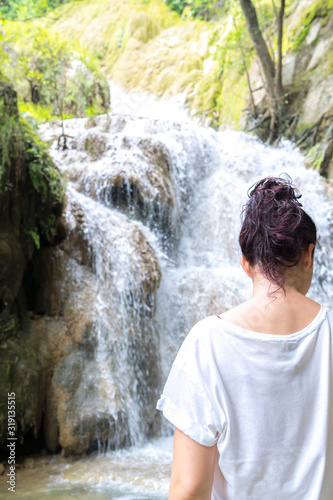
(31, 194)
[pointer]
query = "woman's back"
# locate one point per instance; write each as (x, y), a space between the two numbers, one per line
(266, 400)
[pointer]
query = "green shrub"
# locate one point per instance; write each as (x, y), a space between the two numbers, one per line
(51, 78)
(27, 9)
(201, 9)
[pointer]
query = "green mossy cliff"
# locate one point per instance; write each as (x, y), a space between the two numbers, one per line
(31, 194)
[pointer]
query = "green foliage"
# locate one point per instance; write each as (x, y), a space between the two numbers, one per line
(44, 175)
(201, 9)
(177, 5)
(20, 150)
(35, 236)
(36, 113)
(27, 9)
(11, 145)
(52, 79)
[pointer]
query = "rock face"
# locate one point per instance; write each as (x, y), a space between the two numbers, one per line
(30, 202)
(84, 286)
(111, 276)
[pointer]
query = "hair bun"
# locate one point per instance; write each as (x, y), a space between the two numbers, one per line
(275, 229)
(275, 188)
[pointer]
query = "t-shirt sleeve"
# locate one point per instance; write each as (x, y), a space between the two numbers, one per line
(187, 400)
(186, 406)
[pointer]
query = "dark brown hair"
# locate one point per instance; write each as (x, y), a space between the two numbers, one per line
(275, 229)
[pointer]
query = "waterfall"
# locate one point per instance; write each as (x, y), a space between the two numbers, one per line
(158, 204)
(208, 278)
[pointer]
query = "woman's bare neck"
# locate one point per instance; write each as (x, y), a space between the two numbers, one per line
(279, 315)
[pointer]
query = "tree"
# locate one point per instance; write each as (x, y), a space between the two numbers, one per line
(27, 9)
(272, 74)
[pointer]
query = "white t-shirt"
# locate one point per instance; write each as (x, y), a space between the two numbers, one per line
(266, 400)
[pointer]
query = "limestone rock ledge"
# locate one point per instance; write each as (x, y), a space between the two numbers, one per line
(85, 398)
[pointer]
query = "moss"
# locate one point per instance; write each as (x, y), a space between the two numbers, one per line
(302, 127)
(315, 156)
(95, 145)
(142, 27)
(204, 99)
(11, 146)
(318, 9)
(232, 101)
(19, 373)
(31, 194)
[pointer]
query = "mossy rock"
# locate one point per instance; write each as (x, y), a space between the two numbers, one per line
(317, 9)
(21, 373)
(95, 145)
(142, 27)
(31, 195)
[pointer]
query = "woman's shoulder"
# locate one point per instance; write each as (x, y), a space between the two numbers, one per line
(200, 335)
(202, 329)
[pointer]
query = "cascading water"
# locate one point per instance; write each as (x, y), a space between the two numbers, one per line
(130, 183)
(208, 278)
(159, 206)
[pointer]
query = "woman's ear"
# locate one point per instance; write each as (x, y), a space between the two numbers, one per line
(308, 256)
(246, 266)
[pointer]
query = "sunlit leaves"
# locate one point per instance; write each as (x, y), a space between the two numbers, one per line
(27, 9)
(202, 9)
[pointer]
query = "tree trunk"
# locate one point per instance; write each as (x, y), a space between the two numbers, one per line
(273, 87)
(280, 35)
(259, 44)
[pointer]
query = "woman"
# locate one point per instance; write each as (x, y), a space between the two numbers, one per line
(250, 392)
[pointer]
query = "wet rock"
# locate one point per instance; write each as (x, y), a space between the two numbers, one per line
(30, 203)
(95, 145)
(51, 426)
(20, 371)
(12, 265)
(128, 172)
(76, 245)
(78, 384)
(29, 463)
(105, 259)
(319, 100)
(320, 156)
